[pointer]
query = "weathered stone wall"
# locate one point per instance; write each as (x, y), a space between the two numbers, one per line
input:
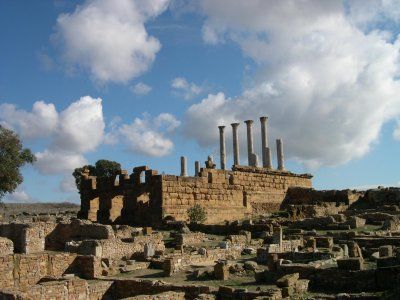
(27, 238)
(63, 289)
(226, 195)
(6, 246)
(23, 270)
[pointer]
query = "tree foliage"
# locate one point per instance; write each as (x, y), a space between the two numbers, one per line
(197, 214)
(102, 169)
(12, 157)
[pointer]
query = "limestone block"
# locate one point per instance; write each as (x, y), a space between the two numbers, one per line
(288, 280)
(221, 270)
(385, 251)
(351, 264)
(6, 246)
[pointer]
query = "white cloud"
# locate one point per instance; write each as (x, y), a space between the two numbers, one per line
(41, 122)
(71, 133)
(19, 196)
(81, 126)
(109, 39)
(396, 132)
(58, 162)
(68, 184)
(326, 85)
(141, 89)
(182, 88)
(150, 136)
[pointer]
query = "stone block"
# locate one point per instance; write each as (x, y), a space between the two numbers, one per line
(356, 222)
(147, 230)
(385, 251)
(6, 246)
(351, 264)
(288, 280)
(324, 242)
(149, 250)
(221, 270)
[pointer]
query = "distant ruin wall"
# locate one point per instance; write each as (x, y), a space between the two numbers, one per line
(226, 195)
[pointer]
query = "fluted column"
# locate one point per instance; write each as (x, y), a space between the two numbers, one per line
(264, 139)
(250, 148)
(196, 168)
(235, 139)
(279, 150)
(222, 150)
(183, 166)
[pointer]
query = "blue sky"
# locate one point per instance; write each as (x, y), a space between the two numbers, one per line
(144, 82)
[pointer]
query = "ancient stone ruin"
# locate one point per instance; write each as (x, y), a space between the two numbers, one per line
(268, 235)
(146, 197)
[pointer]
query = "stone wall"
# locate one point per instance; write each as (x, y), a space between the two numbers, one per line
(225, 195)
(27, 237)
(228, 195)
(6, 246)
(23, 270)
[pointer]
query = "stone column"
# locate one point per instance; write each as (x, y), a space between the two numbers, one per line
(222, 151)
(183, 166)
(250, 150)
(235, 139)
(196, 168)
(264, 139)
(279, 150)
(268, 160)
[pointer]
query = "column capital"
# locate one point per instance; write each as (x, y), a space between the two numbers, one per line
(235, 125)
(221, 127)
(249, 122)
(263, 119)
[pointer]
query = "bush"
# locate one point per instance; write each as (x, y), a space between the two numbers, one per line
(197, 214)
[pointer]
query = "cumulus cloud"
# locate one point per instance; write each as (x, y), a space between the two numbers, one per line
(19, 196)
(182, 88)
(326, 84)
(81, 126)
(149, 136)
(70, 134)
(141, 89)
(56, 162)
(40, 122)
(109, 39)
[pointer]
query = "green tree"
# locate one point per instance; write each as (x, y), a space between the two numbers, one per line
(197, 214)
(102, 169)
(12, 157)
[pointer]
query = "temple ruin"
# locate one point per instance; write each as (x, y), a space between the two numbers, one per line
(146, 197)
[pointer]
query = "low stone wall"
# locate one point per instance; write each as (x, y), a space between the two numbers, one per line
(23, 270)
(190, 239)
(27, 237)
(134, 287)
(61, 289)
(307, 196)
(117, 249)
(77, 229)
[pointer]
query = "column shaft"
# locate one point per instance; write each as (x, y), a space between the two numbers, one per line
(222, 150)
(235, 139)
(250, 148)
(264, 139)
(268, 160)
(196, 168)
(279, 150)
(183, 166)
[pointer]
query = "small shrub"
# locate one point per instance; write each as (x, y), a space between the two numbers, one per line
(197, 214)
